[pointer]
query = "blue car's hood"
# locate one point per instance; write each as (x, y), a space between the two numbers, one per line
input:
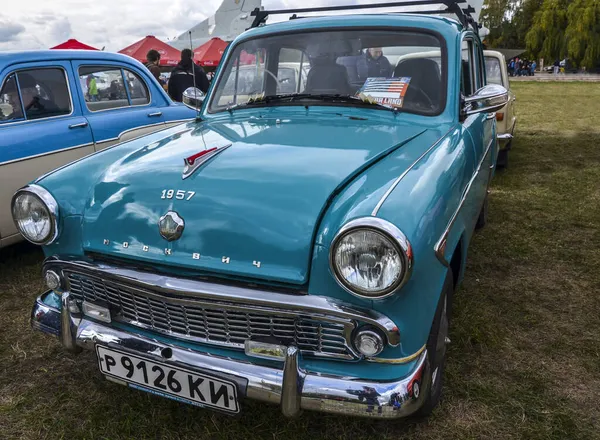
(259, 200)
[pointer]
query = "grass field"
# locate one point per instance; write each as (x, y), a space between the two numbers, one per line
(525, 355)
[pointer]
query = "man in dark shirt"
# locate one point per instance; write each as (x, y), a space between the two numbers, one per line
(183, 78)
(152, 63)
(373, 64)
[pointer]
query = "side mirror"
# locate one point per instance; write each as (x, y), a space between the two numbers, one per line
(193, 98)
(488, 99)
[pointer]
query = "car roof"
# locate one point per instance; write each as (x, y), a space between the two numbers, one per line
(443, 25)
(10, 57)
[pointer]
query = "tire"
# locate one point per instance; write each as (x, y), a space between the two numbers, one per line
(436, 348)
(483, 215)
(502, 161)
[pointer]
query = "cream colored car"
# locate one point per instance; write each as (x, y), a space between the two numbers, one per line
(497, 73)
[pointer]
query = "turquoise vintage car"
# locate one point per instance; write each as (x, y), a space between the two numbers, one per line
(300, 242)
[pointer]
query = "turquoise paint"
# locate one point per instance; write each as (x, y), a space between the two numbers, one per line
(281, 191)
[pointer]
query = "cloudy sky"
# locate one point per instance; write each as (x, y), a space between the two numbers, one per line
(113, 24)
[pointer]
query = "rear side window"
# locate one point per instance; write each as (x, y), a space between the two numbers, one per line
(10, 101)
(106, 88)
(39, 93)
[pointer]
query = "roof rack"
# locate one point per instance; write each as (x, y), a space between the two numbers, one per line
(452, 7)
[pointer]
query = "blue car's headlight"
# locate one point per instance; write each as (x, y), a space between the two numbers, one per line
(371, 258)
(35, 213)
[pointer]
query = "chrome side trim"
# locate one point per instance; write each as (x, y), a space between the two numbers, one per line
(51, 205)
(237, 296)
(99, 151)
(129, 130)
(440, 246)
(392, 232)
(48, 153)
(397, 181)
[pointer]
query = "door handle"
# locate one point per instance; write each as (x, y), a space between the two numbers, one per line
(80, 125)
(150, 115)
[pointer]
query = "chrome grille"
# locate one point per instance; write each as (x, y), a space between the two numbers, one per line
(212, 322)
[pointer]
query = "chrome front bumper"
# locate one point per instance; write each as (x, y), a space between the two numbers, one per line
(504, 139)
(289, 386)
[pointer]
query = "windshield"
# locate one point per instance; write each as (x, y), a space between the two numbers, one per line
(492, 71)
(386, 69)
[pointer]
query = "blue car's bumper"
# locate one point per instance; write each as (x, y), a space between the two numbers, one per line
(289, 386)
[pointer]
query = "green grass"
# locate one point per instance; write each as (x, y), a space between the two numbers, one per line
(525, 355)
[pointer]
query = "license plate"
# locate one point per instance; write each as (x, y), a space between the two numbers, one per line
(164, 380)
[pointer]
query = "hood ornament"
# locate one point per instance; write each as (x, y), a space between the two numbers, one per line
(171, 226)
(192, 163)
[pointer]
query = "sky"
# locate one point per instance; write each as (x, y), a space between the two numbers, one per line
(112, 24)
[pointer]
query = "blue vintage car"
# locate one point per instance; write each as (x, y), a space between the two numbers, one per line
(58, 106)
(300, 243)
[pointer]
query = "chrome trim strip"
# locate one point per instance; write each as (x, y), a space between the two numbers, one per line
(191, 168)
(100, 151)
(89, 144)
(397, 181)
(440, 246)
(25, 120)
(118, 138)
(397, 361)
(383, 399)
(52, 206)
(241, 296)
(392, 232)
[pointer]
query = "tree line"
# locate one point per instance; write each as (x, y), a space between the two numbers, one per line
(548, 29)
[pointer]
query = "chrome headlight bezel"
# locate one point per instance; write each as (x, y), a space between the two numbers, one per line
(396, 238)
(51, 206)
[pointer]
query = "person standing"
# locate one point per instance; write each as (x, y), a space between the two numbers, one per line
(556, 67)
(182, 77)
(533, 66)
(373, 64)
(511, 67)
(152, 64)
(92, 88)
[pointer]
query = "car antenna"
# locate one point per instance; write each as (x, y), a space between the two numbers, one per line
(198, 118)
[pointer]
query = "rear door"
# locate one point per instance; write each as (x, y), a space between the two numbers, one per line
(41, 128)
(118, 102)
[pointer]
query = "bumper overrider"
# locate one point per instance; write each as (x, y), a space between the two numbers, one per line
(285, 383)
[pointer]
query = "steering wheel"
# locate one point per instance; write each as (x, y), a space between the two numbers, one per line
(423, 94)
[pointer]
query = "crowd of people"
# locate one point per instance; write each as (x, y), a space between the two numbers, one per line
(185, 74)
(521, 67)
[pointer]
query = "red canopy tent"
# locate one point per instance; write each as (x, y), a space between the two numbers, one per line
(73, 44)
(169, 56)
(210, 53)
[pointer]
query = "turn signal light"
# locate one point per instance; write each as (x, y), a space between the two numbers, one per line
(499, 116)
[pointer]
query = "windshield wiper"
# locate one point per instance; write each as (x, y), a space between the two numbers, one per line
(290, 97)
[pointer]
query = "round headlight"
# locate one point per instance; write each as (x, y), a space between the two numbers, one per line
(371, 258)
(35, 213)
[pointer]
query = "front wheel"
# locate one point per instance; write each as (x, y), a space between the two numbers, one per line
(436, 348)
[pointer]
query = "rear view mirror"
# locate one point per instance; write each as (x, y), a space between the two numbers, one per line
(488, 99)
(193, 98)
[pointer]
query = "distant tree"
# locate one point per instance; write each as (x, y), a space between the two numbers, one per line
(508, 21)
(546, 38)
(583, 33)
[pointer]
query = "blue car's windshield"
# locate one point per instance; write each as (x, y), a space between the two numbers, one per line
(398, 70)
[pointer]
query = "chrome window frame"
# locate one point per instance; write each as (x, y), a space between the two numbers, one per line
(24, 120)
(122, 69)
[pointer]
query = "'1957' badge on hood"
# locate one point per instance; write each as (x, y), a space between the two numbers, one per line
(171, 226)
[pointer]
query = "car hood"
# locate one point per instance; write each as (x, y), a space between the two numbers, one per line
(255, 206)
